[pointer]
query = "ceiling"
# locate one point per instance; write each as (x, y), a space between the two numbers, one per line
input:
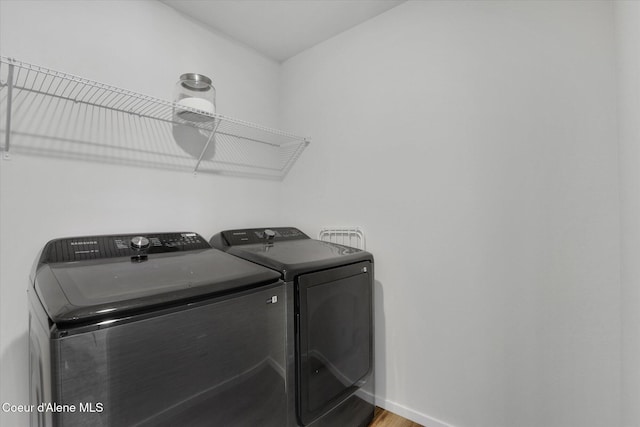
(281, 29)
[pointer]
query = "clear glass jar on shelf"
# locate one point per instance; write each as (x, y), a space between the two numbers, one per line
(197, 92)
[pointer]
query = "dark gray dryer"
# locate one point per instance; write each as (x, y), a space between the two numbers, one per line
(155, 330)
(330, 314)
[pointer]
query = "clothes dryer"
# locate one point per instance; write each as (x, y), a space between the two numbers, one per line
(329, 291)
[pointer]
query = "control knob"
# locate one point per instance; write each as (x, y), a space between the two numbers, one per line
(269, 235)
(139, 243)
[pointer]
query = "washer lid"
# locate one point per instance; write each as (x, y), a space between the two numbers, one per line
(91, 289)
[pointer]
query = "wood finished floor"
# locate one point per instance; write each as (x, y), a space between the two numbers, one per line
(384, 418)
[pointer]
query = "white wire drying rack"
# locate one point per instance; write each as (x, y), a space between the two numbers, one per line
(347, 236)
(54, 114)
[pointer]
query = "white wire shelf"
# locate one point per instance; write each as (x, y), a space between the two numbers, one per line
(48, 113)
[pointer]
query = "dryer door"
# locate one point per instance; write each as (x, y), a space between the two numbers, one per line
(334, 337)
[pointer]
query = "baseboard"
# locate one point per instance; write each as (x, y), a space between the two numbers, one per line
(410, 414)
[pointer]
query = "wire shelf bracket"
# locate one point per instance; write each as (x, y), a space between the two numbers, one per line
(7, 137)
(347, 236)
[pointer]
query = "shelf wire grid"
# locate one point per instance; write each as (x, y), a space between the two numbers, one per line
(55, 114)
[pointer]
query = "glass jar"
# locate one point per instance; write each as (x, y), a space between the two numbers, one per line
(195, 91)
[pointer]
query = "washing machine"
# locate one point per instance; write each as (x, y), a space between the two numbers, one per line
(155, 330)
(329, 290)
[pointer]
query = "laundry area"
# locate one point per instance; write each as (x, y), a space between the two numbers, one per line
(308, 212)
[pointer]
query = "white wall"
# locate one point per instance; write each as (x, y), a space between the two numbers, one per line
(628, 39)
(142, 46)
(475, 142)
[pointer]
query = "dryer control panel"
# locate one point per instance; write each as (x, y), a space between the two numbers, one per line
(261, 235)
(123, 245)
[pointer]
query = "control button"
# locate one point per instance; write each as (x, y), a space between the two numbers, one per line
(269, 234)
(139, 242)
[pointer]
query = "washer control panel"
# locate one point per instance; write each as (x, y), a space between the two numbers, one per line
(261, 235)
(132, 245)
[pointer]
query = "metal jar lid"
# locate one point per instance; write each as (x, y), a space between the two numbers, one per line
(196, 82)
